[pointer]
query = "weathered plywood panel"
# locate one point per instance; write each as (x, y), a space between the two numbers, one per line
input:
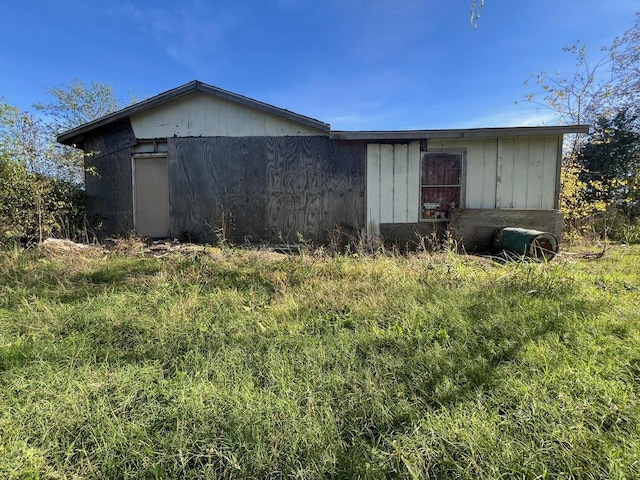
(110, 138)
(109, 193)
(108, 179)
(265, 189)
(293, 178)
(218, 187)
(343, 192)
(199, 114)
(194, 194)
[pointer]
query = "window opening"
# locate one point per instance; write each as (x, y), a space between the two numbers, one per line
(150, 146)
(440, 184)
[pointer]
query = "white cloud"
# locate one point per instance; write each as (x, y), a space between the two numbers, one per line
(189, 34)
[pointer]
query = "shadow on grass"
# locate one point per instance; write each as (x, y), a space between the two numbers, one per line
(376, 381)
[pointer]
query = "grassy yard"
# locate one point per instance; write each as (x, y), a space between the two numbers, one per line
(240, 364)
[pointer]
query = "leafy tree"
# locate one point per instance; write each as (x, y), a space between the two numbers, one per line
(595, 88)
(34, 206)
(598, 169)
(40, 180)
(24, 140)
(578, 210)
(611, 159)
(78, 103)
(73, 105)
(625, 59)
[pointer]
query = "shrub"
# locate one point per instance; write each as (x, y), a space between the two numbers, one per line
(34, 206)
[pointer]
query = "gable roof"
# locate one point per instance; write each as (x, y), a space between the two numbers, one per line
(76, 135)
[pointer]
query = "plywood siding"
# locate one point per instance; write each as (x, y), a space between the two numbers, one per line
(199, 114)
(265, 189)
(108, 179)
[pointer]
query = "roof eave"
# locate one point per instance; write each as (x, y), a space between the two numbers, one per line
(399, 135)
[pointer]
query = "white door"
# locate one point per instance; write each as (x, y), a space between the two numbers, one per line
(151, 196)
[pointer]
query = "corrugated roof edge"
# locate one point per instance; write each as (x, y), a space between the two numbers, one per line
(74, 135)
(390, 135)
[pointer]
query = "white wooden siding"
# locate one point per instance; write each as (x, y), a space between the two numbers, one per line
(513, 172)
(527, 173)
(373, 188)
(199, 114)
(393, 184)
(480, 177)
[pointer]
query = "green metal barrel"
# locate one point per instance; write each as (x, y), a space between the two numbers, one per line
(530, 243)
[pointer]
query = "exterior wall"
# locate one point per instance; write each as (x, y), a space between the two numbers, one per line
(512, 172)
(200, 114)
(518, 173)
(108, 179)
(255, 188)
(265, 188)
(393, 184)
(480, 166)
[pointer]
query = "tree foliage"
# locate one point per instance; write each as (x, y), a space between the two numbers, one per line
(40, 180)
(71, 106)
(600, 170)
(595, 87)
(77, 103)
(34, 206)
(611, 160)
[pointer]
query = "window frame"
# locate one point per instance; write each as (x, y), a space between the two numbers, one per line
(462, 152)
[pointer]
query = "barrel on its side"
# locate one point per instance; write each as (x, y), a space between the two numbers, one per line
(530, 243)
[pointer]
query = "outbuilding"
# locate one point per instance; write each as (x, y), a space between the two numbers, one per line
(201, 163)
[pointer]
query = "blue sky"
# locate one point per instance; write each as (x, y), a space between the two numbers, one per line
(356, 64)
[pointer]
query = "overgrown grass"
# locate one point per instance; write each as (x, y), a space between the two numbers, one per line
(239, 364)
